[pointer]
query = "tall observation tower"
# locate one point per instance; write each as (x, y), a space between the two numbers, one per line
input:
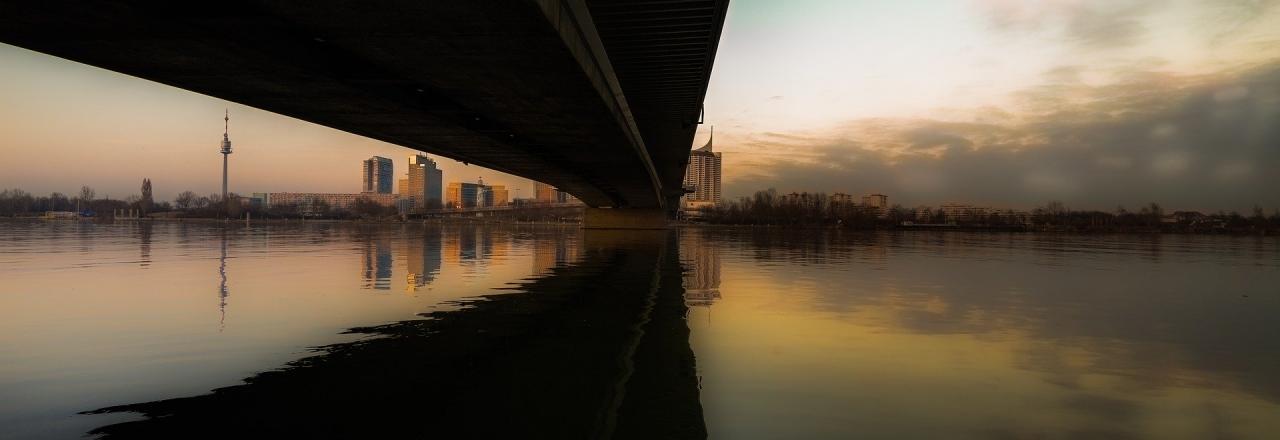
(226, 150)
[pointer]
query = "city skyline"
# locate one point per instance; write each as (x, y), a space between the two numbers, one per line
(1006, 104)
(176, 134)
(714, 219)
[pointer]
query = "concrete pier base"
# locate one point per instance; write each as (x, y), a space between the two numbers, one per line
(624, 218)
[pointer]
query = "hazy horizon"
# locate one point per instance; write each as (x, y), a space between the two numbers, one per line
(999, 103)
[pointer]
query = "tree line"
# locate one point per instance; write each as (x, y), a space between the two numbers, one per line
(767, 207)
(18, 203)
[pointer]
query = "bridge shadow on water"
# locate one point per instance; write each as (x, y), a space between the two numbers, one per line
(598, 349)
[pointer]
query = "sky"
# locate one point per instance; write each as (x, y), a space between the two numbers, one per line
(995, 102)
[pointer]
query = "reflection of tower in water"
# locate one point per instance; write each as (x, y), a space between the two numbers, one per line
(376, 262)
(701, 263)
(422, 259)
(222, 284)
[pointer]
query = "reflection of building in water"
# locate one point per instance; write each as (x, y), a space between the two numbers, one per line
(450, 246)
(469, 250)
(467, 244)
(701, 263)
(422, 259)
(376, 262)
(553, 251)
(544, 256)
(498, 246)
(484, 244)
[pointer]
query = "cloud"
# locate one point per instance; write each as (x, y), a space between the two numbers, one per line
(1086, 24)
(1109, 24)
(1225, 18)
(1191, 141)
(1094, 25)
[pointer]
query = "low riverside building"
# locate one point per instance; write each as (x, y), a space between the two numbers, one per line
(923, 214)
(877, 203)
(333, 200)
(259, 201)
(497, 196)
(967, 213)
(60, 214)
(463, 195)
(800, 199)
(963, 212)
(841, 199)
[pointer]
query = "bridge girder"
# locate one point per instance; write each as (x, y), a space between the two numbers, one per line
(567, 92)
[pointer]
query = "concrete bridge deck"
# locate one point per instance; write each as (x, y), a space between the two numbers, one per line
(597, 97)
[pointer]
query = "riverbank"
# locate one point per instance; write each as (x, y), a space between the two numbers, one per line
(201, 220)
(991, 229)
(694, 225)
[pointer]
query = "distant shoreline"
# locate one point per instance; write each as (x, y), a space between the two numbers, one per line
(285, 221)
(980, 229)
(676, 225)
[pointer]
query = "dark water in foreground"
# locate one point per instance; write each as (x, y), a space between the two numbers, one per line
(338, 330)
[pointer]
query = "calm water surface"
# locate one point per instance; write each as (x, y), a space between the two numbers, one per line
(347, 330)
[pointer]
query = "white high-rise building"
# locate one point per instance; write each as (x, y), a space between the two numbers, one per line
(703, 177)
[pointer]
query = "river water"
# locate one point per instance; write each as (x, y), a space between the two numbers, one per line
(500, 331)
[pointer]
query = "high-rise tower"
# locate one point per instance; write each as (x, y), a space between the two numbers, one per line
(377, 175)
(226, 150)
(703, 176)
(425, 183)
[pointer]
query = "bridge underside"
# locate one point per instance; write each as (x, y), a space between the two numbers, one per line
(598, 98)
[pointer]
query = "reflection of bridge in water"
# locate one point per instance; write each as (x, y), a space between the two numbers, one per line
(595, 346)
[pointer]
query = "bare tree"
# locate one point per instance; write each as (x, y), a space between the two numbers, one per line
(87, 194)
(185, 200)
(215, 200)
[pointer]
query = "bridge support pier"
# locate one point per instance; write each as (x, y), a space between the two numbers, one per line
(624, 218)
